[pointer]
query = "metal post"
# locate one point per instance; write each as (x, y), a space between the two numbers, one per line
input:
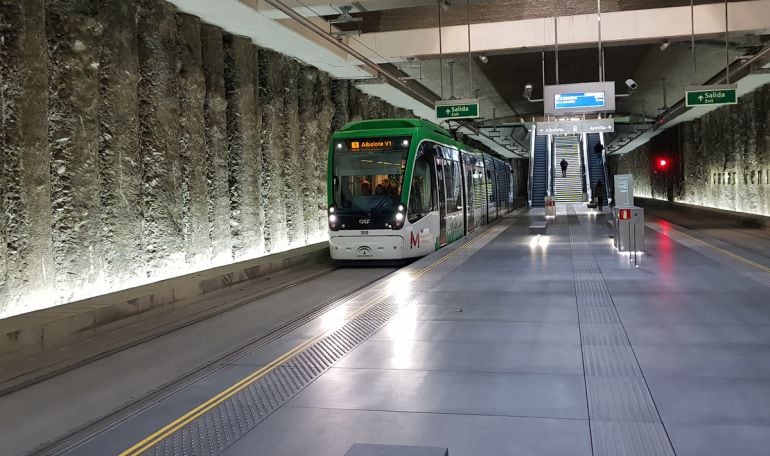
(556, 40)
(665, 102)
(599, 24)
(727, 53)
(451, 64)
(542, 69)
(440, 50)
(470, 57)
(692, 37)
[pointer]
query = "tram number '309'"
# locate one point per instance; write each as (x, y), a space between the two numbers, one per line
(414, 241)
(364, 233)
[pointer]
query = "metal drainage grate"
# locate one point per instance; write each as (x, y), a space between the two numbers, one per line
(217, 429)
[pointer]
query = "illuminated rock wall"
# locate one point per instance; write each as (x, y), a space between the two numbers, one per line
(721, 160)
(138, 144)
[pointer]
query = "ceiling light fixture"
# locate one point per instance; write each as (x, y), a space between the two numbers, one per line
(483, 58)
(664, 45)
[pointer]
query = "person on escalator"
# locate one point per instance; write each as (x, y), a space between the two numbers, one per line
(564, 165)
(600, 193)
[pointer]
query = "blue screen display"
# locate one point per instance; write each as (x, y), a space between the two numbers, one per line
(579, 100)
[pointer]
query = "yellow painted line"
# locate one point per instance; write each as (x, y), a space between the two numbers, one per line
(198, 411)
(725, 252)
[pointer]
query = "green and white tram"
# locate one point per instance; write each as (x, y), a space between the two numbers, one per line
(402, 188)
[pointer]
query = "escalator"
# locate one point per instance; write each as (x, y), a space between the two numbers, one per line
(596, 170)
(539, 183)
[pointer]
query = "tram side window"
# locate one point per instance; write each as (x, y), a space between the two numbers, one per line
(422, 198)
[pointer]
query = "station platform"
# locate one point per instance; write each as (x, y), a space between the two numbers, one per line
(503, 343)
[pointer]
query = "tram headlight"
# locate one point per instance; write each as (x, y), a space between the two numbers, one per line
(331, 210)
(332, 221)
(399, 217)
(400, 208)
(332, 218)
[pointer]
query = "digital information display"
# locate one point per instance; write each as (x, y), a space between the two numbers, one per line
(578, 100)
(396, 143)
(369, 144)
(581, 98)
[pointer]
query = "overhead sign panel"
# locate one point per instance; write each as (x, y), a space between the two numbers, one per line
(457, 109)
(571, 127)
(583, 98)
(722, 94)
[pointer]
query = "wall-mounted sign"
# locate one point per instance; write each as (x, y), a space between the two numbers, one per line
(457, 109)
(722, 94)
(571, 127)
(580, 98)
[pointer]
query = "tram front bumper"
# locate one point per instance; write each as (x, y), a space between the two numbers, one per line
(366, 247)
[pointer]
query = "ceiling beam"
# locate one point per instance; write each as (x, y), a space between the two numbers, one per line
(617, 28)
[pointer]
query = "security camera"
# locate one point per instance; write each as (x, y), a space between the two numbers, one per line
(528, 91)
(631, 84)
(483, 58)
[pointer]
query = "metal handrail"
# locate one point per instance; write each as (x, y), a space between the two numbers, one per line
(531, 163)
(604, 168)
(549, 167)
(587, 167)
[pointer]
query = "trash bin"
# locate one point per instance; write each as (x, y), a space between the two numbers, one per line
(629, 228)
(550, 207)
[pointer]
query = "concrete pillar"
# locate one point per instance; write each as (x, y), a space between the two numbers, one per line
(215, 119)
(271, 98)
(26, 266)
(74, 39)
(159, 138)
(292, 159)
(192, 141)
(243, 133)
(120, 157)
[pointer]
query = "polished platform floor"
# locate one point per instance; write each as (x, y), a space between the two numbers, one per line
(506, 344)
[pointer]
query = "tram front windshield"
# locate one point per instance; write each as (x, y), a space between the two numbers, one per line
(369, 173)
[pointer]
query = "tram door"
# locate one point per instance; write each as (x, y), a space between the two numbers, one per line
(442, 208)
(470, 197)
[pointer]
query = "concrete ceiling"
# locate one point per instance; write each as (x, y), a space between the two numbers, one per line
(402, 35)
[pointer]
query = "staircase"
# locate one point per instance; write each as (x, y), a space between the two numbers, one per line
(539, 171)
(596, 164)
(569, 189)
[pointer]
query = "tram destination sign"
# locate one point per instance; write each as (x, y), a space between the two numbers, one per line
(723, 94)
(457, 109)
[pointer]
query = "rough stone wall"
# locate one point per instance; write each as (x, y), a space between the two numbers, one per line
(721, 160)
(137, 143)
(26, 258)
(243, 139)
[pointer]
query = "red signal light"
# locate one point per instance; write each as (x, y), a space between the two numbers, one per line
(662, 162)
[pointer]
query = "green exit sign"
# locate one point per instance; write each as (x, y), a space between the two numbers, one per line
(457, 109)
(711, 95)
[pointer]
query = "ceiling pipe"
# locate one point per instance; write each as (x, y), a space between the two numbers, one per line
(378, 70)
